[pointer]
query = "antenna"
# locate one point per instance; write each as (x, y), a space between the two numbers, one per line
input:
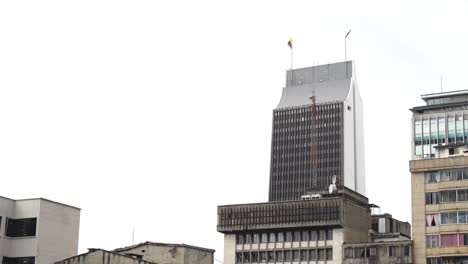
(133, 235)
(346, 36)
(441, 83)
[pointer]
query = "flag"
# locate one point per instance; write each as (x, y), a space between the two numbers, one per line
(290, 43)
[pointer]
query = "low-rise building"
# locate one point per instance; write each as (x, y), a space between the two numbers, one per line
(37, 231)
(146, 253)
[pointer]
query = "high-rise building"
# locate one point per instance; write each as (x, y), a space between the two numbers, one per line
(439, 178)
(37, 231)
(317, 133)
(312, 141)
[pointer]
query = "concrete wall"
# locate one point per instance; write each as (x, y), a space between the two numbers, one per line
(58, 232)
(194, 256)
(229, 249)
(357, 223)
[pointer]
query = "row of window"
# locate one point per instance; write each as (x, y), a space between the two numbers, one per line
(449, 196)
(447, 260)
(289, 236)
(19, 227)
(446, 175)
(371, 252)
(447, 218)
(21, 260)
(285, 255)
(447, 240)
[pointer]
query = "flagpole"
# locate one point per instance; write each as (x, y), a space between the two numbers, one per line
(346, 36)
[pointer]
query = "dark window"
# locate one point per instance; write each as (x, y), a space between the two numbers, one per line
(329, 253)
(288, 236)
(20, 227)
(256, 238)
(312, 254)
(264, 238)
(271, 256)
(248, 238)
(348, 252)
(287, 255)
(240, 239)
(279, 256)
(330, 234)
(322, 235)
(239, 257)
(393, 251)
(254, 256)
(321, 254)
(246, 257)
(296, 255)
(407, 251)
(313, 235)
(303, 255)
(297, 236)
(22, 260)
(305, 235)
(263, 256)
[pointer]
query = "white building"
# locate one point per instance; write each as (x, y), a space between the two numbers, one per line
(37, 231)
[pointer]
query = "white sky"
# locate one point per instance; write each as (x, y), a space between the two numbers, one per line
(152, 113)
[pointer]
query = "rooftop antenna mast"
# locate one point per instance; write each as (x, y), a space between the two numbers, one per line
(314, 140)
(346, 36)
(441, 83)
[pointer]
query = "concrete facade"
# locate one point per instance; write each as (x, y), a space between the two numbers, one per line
(165, 253)
(37, 231)
(439, 178)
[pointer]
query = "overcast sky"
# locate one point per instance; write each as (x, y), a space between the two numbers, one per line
(152, 113)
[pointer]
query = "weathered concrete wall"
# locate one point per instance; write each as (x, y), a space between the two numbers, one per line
(229, 249)
(195, 256)
(357, 223)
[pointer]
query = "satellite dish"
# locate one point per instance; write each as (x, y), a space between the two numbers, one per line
(332, 187)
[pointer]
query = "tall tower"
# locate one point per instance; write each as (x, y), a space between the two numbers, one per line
(439, 178)
(334, 143)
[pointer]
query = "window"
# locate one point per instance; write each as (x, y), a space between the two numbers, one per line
(348, 252)
(287, 255)
(304, 255)
(264, 238)
(462, 217)
(450, 240)
(448, 218)
(297, 236)
(296, 255)
(238, 257)
(279, 256)
(434, 261)
(448, 196)
(240, 239)
(461, 195)
(254, 256)
(21, 260)
(305, 235)
(248, 238)
(359, 252)
(263, 257)
(371, 252)
(20, 227)
(280, 237)
(432, 198)
(312, 254)
(289, 236)
(322, 235)
(432, 241)
(432, 220)
(321, 254)
(330, 234)
(406, 250)
(271, 256)
(256, 238)
(393, 251)
(246, 257)
(313, 235)
(329, 252)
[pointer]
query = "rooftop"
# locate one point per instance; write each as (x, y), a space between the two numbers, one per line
(149, 243)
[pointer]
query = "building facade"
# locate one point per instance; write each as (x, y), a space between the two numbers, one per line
(317, 133)
(439, 178)
(37, 231)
